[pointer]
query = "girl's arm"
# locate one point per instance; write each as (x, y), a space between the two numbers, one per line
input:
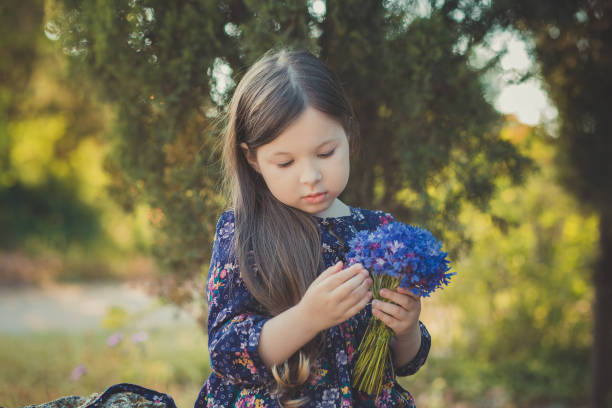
(405, 349)
(336, 295)
(283, 335)
(406, 360)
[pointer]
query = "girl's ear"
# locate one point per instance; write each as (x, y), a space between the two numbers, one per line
(250, 157)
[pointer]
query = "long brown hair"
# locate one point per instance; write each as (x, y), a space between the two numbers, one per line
(278, 247)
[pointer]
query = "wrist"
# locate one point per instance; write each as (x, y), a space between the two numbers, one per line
(410, 336)
(284, 334)
(302, 315)
(406, 347)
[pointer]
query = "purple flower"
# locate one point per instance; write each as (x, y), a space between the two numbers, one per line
(408, 253)
(139, 337)
(114, 339)
(77, 372)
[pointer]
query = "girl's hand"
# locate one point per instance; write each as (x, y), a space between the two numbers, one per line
(402, 316)
(336, 295)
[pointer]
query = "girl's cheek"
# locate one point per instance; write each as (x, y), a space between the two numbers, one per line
(280, 173)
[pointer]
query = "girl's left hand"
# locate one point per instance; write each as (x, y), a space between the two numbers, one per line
(402, 316)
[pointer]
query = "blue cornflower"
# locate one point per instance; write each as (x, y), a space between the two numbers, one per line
(405, 252)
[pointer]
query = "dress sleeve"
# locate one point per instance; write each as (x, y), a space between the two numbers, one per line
(420, 357)
(234, 321)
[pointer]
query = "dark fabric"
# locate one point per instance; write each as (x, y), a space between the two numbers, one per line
(123, 395)
(239, 376)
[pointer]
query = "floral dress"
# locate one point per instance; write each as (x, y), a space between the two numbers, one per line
(240, 378)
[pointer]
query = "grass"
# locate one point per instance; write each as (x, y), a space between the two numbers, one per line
(36, 368)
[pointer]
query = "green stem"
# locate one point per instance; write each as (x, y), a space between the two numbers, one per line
(374, 352)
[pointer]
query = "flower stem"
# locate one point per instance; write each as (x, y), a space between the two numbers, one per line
(374, 349)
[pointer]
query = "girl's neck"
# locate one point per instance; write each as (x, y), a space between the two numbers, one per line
(337, 209)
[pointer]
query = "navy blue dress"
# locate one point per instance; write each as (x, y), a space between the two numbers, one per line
(240, 378)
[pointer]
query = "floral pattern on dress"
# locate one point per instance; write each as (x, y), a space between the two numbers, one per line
(216, 282)
(240, 378)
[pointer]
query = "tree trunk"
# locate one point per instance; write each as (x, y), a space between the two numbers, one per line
(602, 336)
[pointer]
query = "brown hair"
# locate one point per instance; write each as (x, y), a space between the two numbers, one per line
(278, 247)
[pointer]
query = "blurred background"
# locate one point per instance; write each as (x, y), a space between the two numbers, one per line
(485, 121)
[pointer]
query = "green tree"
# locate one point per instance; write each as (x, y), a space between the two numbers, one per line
(430, 140)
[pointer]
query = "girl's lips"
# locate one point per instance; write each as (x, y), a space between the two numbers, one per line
(314, 199)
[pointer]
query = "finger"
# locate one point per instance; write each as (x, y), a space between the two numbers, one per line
(345, 274)
(364, 287)
(348, 298)
(331, 270)
(348, 286)
(389, 308)
(408, 291)
(401, 299)
(353, 310)
(387, 319)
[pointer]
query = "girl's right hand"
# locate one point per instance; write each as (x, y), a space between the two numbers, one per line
(336, 295)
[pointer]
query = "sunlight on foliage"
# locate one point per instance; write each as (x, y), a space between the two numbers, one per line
(524, 291)
(32, 154)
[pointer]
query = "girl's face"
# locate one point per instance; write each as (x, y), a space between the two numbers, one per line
(311, 156)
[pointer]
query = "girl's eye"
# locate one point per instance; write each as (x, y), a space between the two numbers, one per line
(329, 153)
(287, 164)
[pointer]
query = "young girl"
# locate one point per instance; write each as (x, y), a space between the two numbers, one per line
(285, 314)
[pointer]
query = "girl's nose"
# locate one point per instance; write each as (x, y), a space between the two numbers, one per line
(310, 175)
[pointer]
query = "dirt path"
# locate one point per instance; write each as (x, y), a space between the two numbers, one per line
(80, 307)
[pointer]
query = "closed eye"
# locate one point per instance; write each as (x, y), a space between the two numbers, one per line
(328, 153)
(324, 155)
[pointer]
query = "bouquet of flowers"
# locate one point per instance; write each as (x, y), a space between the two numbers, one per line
(401, 255)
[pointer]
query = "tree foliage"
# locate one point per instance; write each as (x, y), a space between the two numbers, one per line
(426, 126)
(43, 122)
(433, 152)
(573, 45)
(524, 294)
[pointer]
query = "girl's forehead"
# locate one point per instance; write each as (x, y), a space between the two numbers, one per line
(310, 131)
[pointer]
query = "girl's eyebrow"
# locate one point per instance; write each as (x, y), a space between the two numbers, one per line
(324, 143)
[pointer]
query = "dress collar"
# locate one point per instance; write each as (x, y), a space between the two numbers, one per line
(330, 220)
(356, 221)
